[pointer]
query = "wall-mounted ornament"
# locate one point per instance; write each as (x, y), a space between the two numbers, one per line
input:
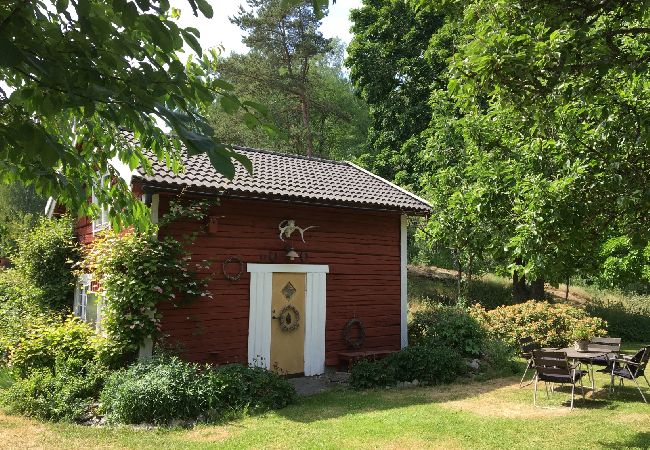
(233, 261)
(288, 227)
(289, 318)
(288, 290)
(348, 334)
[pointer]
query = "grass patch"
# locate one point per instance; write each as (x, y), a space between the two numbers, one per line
(439, 286)
(477, 415)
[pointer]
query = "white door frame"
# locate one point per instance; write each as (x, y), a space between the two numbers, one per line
(259, 321)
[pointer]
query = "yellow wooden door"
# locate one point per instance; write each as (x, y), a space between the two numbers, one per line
(288, 323)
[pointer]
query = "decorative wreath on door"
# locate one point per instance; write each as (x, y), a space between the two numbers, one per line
(289, 318)
(347, 333)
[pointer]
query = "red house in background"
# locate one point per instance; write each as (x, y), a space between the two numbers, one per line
(278, 301)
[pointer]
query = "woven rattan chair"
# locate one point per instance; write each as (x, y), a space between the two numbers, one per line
(632, 368)
(553, 367)
(526, 347)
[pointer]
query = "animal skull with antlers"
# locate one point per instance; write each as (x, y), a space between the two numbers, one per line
(287, 227)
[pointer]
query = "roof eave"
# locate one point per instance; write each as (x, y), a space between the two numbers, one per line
(156, 186)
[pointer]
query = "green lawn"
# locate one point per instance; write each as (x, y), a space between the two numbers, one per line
(490, 414)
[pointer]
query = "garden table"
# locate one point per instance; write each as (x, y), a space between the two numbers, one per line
(587, 357)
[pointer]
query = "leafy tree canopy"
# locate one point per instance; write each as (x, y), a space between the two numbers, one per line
(535, 149)
(389, 71)
(297, 72)
(338, 119)
(75, 71)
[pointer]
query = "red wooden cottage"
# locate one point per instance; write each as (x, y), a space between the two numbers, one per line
(282, 302)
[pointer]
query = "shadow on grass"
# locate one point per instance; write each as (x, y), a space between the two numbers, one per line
(341, 402)
(639, 440)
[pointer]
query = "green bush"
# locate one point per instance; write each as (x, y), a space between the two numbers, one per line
(262, 390)
(65, 393)
(45, 257)
(19, 310)
(550, 325)
(622, 264)
(447, 326)
(45, 343)
(629, 319)
(498, 359)
(427, 364)
(169, 389)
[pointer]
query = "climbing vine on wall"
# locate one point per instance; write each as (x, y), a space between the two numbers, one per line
(133, 272)
(136, 271)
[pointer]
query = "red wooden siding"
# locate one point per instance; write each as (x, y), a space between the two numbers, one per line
(360, 247)
(84, 230)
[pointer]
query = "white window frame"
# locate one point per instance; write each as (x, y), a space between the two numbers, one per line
(81, 293)
(81, 297)
(100, 223)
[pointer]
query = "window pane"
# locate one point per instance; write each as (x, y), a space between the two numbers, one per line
(91, 308)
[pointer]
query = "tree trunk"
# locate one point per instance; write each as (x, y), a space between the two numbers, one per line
(306, 123)
(519, 288)
(566, 293)
(537, 289)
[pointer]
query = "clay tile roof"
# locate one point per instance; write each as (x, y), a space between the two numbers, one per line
(293, 177)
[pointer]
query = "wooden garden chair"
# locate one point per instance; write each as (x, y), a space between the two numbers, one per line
(553, 367)
(612, 347)
(526, 347)
(632, 368)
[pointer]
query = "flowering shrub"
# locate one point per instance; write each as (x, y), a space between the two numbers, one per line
(135, 271)
(550, 325)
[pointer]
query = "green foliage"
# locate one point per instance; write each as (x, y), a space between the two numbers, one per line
(550, 325)
(169, 389)
(428, 364)
(524, 123)
(65, 392)
(628, 318)
(391, 71)
(135, 272)
(338, 120)
(488, 290)
(297, 74)
(622, 264)
(19, 310)
(73, 84)
(498, 360)
(45, 257)
(254, 389)
(6, 377)
(44, 344)
(18, 208)
(582, 332)
(449, 327)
